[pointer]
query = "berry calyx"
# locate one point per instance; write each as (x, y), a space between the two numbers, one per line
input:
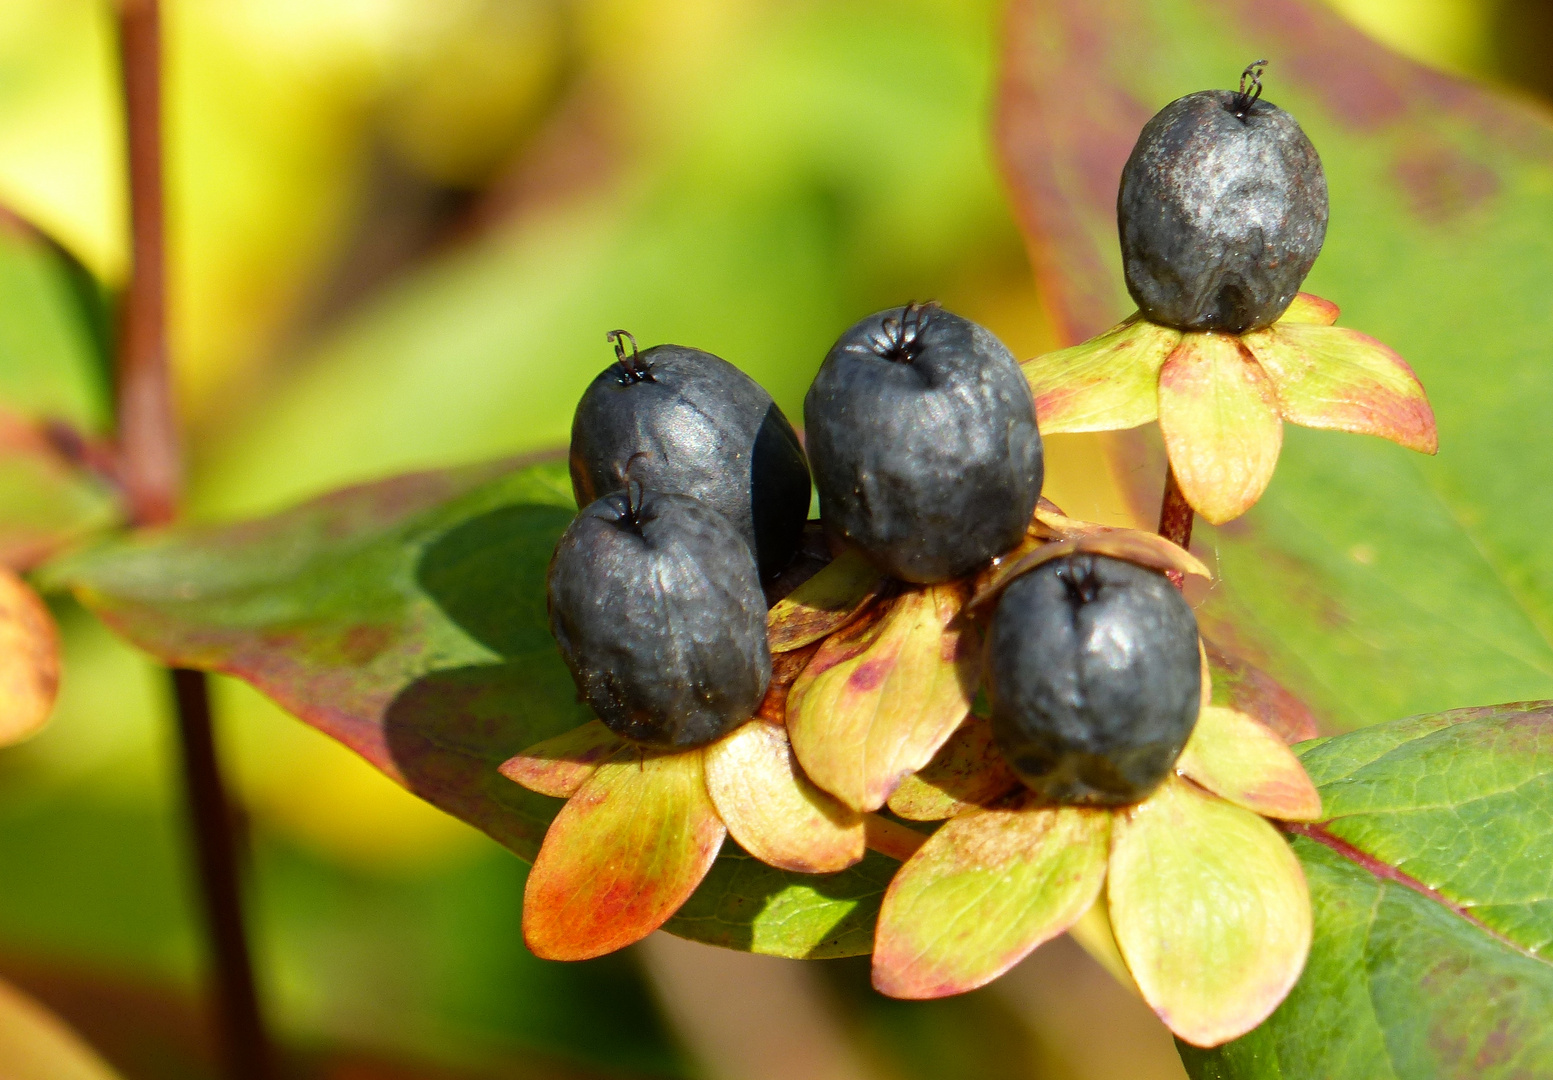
(656, 605)
(684, 421)
(923, 441)
(1222, 211)
(1094, 677)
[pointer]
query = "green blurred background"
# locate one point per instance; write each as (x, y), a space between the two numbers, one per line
(398, 232)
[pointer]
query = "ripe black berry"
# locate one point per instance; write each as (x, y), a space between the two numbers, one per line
(1222, 211)
(922, 435)
(684, 421)
(1094, 678)
(656, 605)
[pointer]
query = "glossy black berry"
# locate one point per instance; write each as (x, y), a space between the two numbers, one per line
(1222, 211)
(656, 605)
(1094, 678)
(922, 437)
(685, 421)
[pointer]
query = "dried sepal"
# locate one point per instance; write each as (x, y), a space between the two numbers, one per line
(1210, 910)
(824, 603)
(882, 695)
(1106, 383)
(1132, 545)
(785, 669)
(624, 853)
(1218, 413)
(1245, 762)
(773, 810)
(1054, 524)
(1338, 379)
(1309, 309)
(29, 660)
(559, 766)
(967, 772)
(985, 890)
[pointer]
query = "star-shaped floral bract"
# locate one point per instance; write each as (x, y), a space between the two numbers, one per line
(1221, 399)
(1207, 902)
(886, 690)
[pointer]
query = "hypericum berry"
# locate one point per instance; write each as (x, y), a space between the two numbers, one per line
(923, 440)
(656, 604)
(1222, 211)
(1094, 678)
(684, 421)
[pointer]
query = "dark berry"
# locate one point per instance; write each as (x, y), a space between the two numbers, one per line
(922, 436)
(1222, 211)
(684, 421)
(656, 605)
(1094, 678)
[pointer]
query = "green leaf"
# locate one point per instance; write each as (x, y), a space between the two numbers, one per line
(1433, 951)
(51, 380)
(1372, 581)
(406, 619)
(50, 361)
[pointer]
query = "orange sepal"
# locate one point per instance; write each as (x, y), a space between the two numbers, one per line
(622, 856)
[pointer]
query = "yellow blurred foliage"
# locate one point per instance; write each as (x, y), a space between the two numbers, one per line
(305, 786)
(271, 112)
(471, 78)
(61, 147)
(1451, 34)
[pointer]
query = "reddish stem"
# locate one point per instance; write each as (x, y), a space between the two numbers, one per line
(147, 428)
(151, 470)
(891, 838)
(1175, 519)
(245, 1045)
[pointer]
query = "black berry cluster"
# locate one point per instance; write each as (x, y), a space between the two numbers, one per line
(693, 484)
(926, 455)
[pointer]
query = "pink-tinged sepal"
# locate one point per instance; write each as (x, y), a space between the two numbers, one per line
(1245, 762)
(824, 603)
(773, 810)
(1309, 308)
(1210, 910)
(559, 766)
(882, 695)
(1341, 380)
(1104, 384)
(985, 890)
(622, 856)
(967, 772)
(1218, 413)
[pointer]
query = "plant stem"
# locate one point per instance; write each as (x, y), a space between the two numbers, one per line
(244, 1042)
(147, 428)
(1175, 513)
(1175, 519)
(151, 469)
